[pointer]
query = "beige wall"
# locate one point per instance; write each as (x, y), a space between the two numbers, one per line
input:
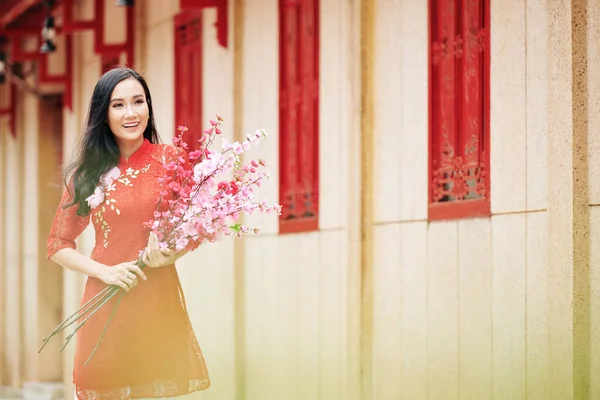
(29, 236)
(11, 279)
(4, 126)
(459, 306)
(469, 309)
(295, 325)
(492, 307)
(593, 53)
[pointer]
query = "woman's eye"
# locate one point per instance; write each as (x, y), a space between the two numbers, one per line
(139, 101)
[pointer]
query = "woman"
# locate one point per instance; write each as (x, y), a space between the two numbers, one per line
(149, 349)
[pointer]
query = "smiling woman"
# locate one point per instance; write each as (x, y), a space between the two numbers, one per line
(149, 349)
(128, 115)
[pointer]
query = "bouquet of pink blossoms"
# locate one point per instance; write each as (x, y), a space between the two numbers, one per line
(202, 207)
(195, 205)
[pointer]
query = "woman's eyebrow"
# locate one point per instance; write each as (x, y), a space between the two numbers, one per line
(134, 97)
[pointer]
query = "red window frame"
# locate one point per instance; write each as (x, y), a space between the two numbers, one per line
(459, 109)
(188, 74)
(299, 115)
(108, 62)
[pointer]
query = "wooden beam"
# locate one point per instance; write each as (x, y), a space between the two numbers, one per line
(367, 71)
(239, 252)
(15, 10)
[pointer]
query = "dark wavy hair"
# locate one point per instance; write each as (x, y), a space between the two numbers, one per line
(98, 150)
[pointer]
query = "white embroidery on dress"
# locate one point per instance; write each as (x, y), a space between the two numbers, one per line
(101, 195)
(106, 180)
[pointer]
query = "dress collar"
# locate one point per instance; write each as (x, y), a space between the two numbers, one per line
(137, 155)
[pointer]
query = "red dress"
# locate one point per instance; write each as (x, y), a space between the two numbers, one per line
(149, 349)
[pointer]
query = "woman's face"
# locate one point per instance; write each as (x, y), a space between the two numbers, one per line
(128, 111)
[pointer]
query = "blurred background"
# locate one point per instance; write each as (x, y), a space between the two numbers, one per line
(435, 159)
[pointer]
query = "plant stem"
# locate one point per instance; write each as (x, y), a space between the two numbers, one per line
(108, 297)
(112, 313)
(108, 294)
(84, 306)
(82, 311)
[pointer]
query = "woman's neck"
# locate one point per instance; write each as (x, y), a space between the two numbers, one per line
(127, 148)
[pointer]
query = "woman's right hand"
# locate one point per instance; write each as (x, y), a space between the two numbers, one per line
(124, 275)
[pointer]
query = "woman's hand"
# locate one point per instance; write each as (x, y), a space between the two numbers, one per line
(154, 257)
(124, 275)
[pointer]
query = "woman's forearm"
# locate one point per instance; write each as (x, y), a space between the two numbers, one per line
(73, 260)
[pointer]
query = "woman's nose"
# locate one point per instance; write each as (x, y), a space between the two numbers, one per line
(129, 111)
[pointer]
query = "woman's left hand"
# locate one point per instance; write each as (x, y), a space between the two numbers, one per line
(154, 257)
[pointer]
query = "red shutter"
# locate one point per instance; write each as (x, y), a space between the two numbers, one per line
(459, 109)
(299, 115)
(188, 74)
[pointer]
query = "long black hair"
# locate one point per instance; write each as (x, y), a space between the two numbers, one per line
(98, 150)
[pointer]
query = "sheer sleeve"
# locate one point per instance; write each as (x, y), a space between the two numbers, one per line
(66, 227)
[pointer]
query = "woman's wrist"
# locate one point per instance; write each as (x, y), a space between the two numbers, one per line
(97, 269)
